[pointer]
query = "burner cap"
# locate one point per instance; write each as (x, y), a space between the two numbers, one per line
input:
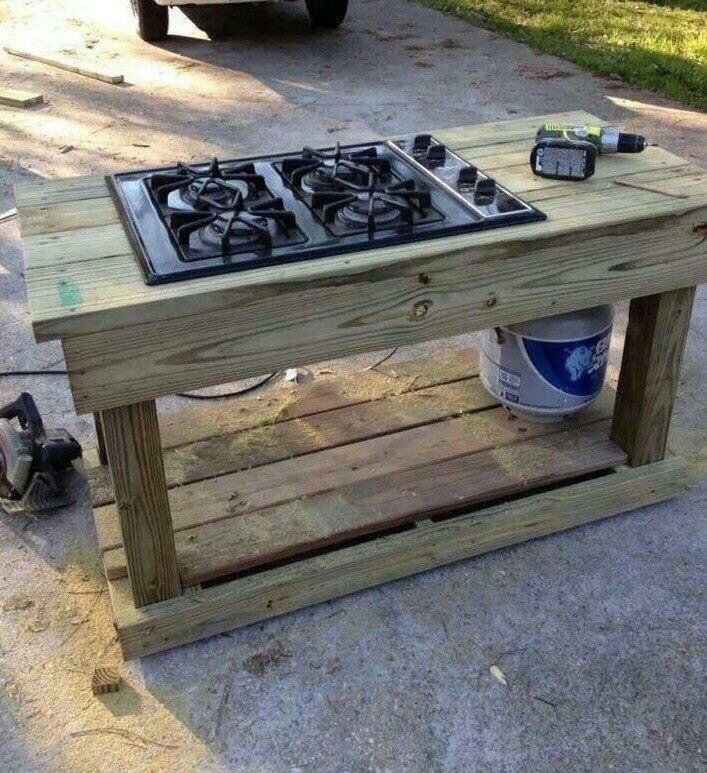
(322, 178)
(240, 234)
(355, 214)
(193, 195)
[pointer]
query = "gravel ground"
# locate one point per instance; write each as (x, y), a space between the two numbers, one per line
(600, 632)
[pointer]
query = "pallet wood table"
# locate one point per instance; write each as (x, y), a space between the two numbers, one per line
(226, 516)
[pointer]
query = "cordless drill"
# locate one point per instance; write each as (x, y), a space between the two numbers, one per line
(570, 152)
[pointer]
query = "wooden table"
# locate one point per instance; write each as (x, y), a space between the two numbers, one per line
(636, 230)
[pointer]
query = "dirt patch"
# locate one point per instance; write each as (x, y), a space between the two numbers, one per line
(262, 662)
(387, 37)
(451, 43)
(16, 603)
(542, 73)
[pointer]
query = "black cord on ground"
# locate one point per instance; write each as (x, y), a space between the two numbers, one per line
(237, 393)
(188, 395)
(6, 374)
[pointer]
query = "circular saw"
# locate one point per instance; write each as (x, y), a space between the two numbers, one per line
(33, 461)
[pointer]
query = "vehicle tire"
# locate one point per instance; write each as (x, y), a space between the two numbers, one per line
(152, 19)
(327, 13)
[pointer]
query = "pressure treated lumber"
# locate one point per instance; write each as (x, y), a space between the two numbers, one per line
(250, 449)
(303, 476)
(287, 420)
(19, 98)
(517, 281)
(257, 488)
(346, 570)
(328, 392)
(133, 444)
(650, 370)
(71, 64)
(601, 243)
(485, 458)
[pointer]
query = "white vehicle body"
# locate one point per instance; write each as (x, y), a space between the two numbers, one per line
(208, 2)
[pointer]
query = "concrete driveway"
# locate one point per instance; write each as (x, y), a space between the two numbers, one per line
(600, 632)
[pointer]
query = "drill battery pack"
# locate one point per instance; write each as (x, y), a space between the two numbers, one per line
(563, 159)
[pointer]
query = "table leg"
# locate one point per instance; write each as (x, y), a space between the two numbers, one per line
(650, 368)
(132, 441)
(102, 455)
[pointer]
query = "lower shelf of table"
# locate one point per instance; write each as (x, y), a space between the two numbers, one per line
(350, 487)
(262, 595)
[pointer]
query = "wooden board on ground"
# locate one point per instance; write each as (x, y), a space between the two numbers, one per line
(346, 570)
(19, 98)
(73, 64)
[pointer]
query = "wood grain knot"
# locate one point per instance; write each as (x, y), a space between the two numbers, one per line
(419, 310)
(700, 230)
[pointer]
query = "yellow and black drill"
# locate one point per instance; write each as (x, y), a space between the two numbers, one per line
(570, 152)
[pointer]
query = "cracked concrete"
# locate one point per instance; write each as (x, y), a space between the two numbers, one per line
(600, 632)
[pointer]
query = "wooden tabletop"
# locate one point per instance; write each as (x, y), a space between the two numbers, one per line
(628, 231)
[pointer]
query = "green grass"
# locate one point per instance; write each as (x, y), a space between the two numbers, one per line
(657, 44)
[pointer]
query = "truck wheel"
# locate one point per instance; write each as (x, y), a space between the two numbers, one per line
(152, 19)
(327, 13)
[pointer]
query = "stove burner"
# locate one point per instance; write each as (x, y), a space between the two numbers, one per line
(359, 211)
(328, 178)
(237, 215)
(236, 228)
(316, 171)
(359, 207)
(191, 189)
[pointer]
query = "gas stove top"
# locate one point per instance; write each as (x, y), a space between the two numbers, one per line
(191, 221)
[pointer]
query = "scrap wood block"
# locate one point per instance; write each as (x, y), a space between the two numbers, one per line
(76, 65)
(105, 679)
(19, 98)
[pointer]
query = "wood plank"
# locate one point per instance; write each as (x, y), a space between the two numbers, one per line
(285, 589)
(49, 218)
(83, 216)
(533, 192)
(665, 178)
(73, 64)
(374, 503)
(609, 165)
(32, 193)
(20, 98)
(515, 281)
(133, 445)
(102, 293)
(233, 495)
(328, 392)
(650, 370)
(499, 132)
(270, 443)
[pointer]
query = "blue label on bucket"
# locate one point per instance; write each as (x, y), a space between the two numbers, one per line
(574, 367)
